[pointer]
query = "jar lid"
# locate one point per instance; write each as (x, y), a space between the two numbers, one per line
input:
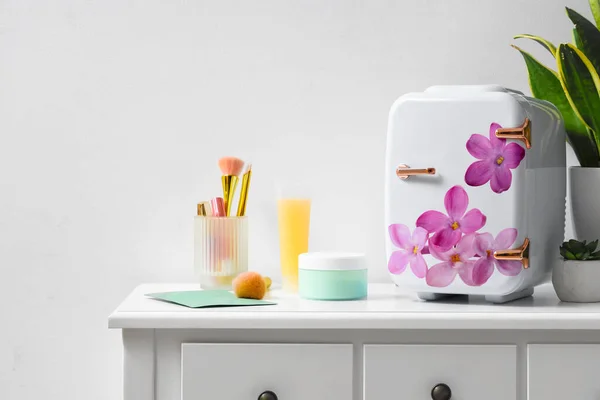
(332, 261)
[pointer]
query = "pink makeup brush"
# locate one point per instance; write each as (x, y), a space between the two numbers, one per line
(218, 207)
(231, 167)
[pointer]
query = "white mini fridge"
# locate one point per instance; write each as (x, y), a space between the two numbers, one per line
(474, 193)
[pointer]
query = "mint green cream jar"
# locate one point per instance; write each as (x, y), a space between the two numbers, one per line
(332, 276)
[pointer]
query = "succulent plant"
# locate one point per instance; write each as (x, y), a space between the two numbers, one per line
(574, 88)
(582, 251)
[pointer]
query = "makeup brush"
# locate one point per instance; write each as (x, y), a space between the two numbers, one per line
(207, 208)
(217, 206)
(241, 211)
(231, 167)
(204, 209)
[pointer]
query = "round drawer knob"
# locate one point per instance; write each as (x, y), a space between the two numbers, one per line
(267, 395)
(441, 391)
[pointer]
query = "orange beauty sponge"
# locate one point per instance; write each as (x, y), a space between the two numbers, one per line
(249, 285)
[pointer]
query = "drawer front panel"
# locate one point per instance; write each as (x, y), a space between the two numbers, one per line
(244, 371)
(412, 371)
(563, 372)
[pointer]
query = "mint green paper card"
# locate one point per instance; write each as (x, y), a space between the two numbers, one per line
(207, 299)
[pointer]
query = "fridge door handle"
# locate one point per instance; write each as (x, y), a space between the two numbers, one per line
(403, 171)
(522, 133)
(520, 254)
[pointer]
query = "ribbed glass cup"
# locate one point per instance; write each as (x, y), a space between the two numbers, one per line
(220, 250)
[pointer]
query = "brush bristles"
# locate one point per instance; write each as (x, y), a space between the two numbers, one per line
(231, 166)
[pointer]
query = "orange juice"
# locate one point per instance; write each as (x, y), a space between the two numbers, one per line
(294, 224)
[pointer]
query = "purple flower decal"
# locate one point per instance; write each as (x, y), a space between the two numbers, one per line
(411, 247)
(448, 229)
(485, 245)
(455, 261)
(496, 159)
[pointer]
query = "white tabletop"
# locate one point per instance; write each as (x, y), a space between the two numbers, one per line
(386, 307)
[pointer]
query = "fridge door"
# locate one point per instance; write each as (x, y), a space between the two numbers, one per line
(455, 192)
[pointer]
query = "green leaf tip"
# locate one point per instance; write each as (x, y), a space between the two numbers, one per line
(545, 43)
(595, 7)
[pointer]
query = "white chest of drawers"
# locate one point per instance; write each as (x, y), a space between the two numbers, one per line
(390, 346)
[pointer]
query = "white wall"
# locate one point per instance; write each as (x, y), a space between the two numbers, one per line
(114, 113)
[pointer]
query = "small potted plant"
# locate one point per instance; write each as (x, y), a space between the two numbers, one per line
(577, 278)
(574, 88)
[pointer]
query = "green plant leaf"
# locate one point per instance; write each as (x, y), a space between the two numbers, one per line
(574, 243)
(595, 255)
(576, 246)
(576, 250)
(563, 251)
(570, 256)
(595, 6)
(591, 246)
(580, 82)
(589, 38)
(585, 255)
(545, 84)
(577, 39)
(547, 44)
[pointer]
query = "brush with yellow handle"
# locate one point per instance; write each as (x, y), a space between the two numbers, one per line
(231, 167)
(241, 211)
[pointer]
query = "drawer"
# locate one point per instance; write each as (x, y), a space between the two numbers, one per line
(244, 371)
(563, 371)
(411, 371)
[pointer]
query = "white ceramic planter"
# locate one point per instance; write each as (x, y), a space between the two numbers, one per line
(577, 281)
(584, 192)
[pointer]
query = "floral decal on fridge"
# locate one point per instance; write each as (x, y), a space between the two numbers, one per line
(455, 239)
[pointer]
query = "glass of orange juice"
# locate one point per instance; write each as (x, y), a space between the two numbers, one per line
(294, 225)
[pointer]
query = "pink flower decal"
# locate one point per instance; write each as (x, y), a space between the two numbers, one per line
(455, 261)
(448, 229)
(484, 246)
(496, 159)
(411, 247)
